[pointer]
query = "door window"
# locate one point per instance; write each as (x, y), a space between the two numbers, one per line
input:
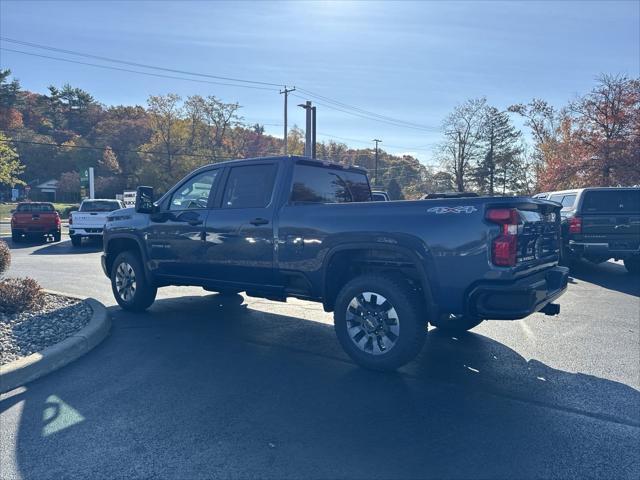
(250, 186)
(194, 193)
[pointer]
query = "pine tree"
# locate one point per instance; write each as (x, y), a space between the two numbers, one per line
(501, 144)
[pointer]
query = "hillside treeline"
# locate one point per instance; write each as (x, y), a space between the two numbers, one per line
(594, 140)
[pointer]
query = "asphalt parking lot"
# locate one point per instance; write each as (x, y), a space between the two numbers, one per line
(205, 387)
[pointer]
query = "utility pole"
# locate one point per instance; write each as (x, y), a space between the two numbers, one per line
(286, 132)
(375, 182)
(313, 128)
(307, 132)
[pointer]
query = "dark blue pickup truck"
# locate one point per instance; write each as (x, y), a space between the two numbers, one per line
(294, 227)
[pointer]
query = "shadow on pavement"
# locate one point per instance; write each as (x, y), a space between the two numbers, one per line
(609, 275)
(29, 242)
(65, 248)
(202, 387)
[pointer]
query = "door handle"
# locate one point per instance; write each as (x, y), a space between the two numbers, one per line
(195, 223)
(259, 221)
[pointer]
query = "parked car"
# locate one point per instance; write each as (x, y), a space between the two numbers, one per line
(379, 196)
(599, 224)
(88, 221)
(294, 227)
(35, 219)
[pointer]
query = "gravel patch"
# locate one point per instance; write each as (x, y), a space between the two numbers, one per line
(25, 333)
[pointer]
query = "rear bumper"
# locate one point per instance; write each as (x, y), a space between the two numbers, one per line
(35, 230)
(520, 299)
(86, 232)
(604, 249)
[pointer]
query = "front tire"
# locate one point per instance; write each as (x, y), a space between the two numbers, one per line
(378, 323)
(130, 285)
(632, 264)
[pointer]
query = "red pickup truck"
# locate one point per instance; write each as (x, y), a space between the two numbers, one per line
(35, 219)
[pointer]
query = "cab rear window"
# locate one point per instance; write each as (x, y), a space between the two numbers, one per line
(100, 206)
(612, 201)
(319, 184)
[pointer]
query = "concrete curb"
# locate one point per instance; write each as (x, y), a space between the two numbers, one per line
(36, 365)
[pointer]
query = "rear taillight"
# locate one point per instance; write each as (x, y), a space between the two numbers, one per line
(57, 220)
(504, 248)
(575, 225)
(71, 219)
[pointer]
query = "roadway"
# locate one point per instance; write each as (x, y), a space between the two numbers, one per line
(205, 387)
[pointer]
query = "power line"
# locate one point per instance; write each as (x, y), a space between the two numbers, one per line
(367, 143)
(364, 116)
(110, 67)
(367, 112)
(135, 64)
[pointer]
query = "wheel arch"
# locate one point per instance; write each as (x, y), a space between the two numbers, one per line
(122, 243)
(340, 260)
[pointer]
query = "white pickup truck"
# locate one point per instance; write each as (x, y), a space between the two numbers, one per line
(90, 219)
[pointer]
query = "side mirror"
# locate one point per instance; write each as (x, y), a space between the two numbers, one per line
(144, 200)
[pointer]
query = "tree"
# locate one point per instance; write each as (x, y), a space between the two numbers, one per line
(501, 144)
(10, 117)
(463, 134)
(109, 162)
(443, 182)
(607, 128)
(9, 90)
(10, 166)
(168, 139)
(295, 141)
(544, 121)
(394, 191)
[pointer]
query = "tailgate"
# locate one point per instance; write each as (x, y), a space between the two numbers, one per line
(538, 235)
(611, 216)
(530, 234)
(35, 220)
(89, 219)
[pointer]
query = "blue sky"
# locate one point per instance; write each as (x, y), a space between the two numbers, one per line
(409, 60)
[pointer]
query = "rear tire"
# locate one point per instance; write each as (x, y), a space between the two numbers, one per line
(129, 283)
(76, 240)
(632, 264)
(458, 325)
(16, 237)
(378, 323)
(57, 237)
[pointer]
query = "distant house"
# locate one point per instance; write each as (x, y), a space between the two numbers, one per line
(46, 191)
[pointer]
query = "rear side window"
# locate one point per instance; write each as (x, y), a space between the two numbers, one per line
(611, 201)
(568, 201)
(100, 206)
(35, 207)
(565, 200)
(315, 184)
(250, 186)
